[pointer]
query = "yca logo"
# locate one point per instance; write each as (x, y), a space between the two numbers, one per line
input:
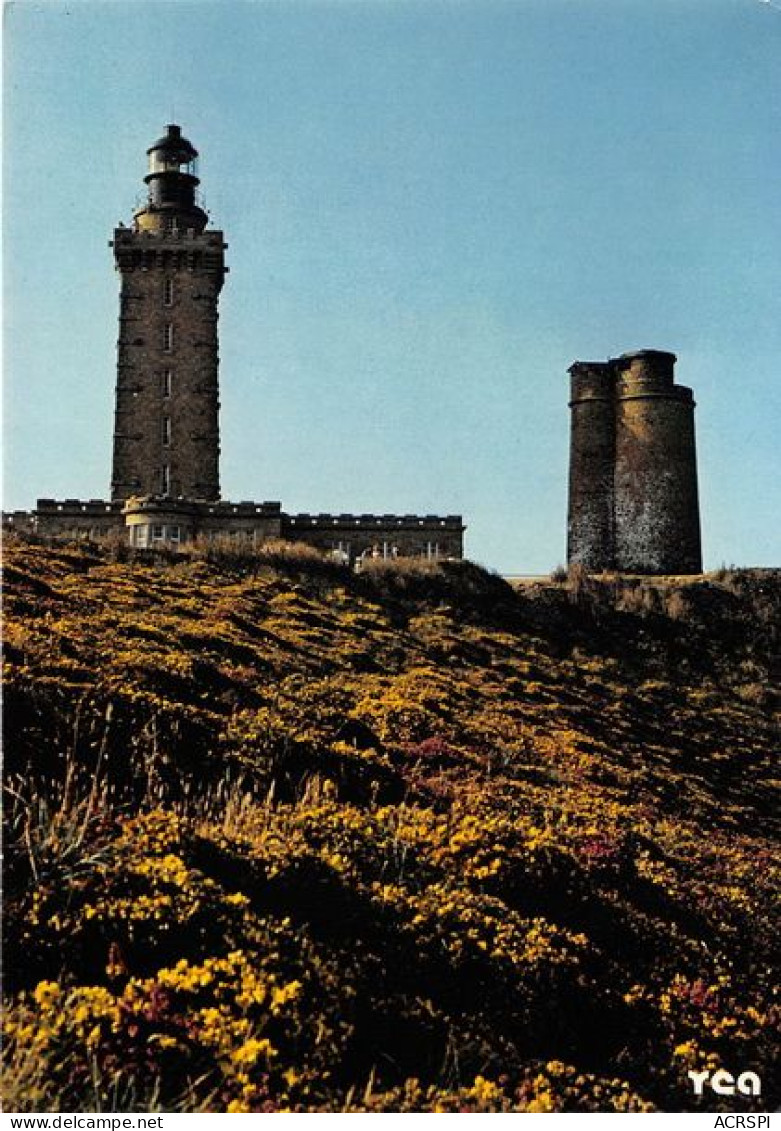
(723, 1083)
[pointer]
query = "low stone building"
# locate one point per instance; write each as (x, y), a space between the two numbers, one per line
(71, 518)
(155, 521)
(385, 535)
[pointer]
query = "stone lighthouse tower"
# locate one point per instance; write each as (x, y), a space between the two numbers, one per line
(166, 431)
(165, 486)
(633, 502)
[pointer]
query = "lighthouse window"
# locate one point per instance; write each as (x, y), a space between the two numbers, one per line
(165, 479)
(166, 430)
(168, 336)
(168, 291)
(167, 380)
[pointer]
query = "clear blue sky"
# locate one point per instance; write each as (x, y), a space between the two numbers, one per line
(432, 208)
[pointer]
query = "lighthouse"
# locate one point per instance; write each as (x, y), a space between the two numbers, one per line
(171, 267)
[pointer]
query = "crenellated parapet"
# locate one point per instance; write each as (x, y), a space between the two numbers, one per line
(77, 518)
(159, 520)
(22, 521)
(168, 250)
(406, 521)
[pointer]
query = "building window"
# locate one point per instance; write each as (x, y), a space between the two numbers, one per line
(174, 534)
(158, 533)
(166, 430)
(167, 382)
(168, 337)
(165, 479)
(168, 292)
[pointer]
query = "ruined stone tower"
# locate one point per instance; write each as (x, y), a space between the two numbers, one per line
(166, 434)
(633, 502)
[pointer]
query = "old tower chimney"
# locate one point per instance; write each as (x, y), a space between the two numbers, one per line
(166, 432)
(633, 503)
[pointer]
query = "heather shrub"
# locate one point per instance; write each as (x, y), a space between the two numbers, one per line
(281, 840)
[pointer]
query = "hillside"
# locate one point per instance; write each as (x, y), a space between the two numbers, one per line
(280, 837)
